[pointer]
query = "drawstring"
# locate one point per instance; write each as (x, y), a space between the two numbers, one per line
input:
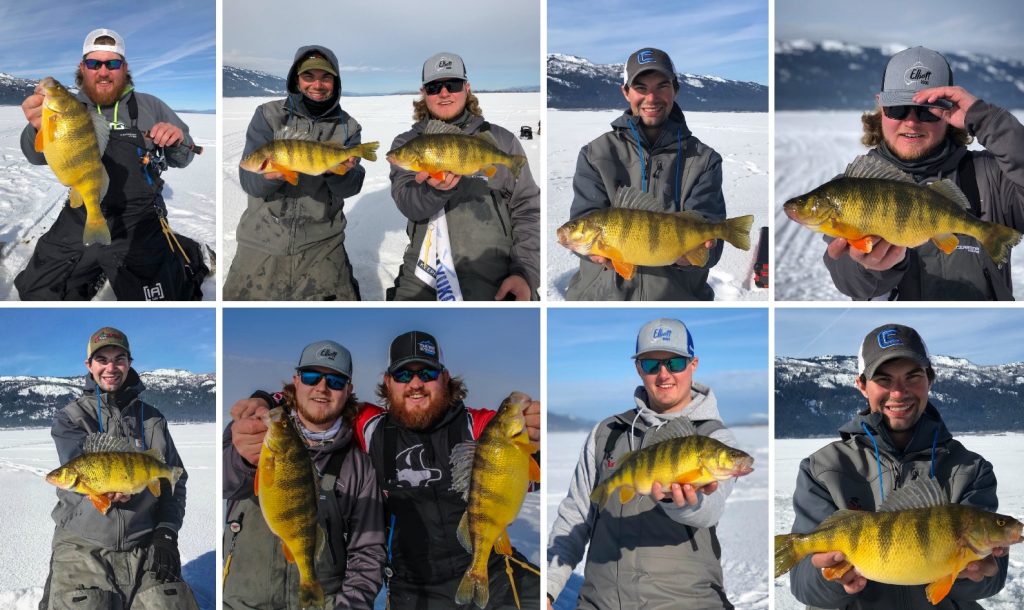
(632, 429)
(640, 153)
(679, 168)
(99, 411)
(142, 426)
(935, 441)
(878, 460)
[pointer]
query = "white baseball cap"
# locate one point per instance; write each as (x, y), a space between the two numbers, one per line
(90, 42)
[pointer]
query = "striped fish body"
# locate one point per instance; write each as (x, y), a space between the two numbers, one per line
(502, 467)
(287, 495)
(67, 138)
(444, 148)
(696, 460)
(900, 212)
(905, 547)
(126, 472)
(291, 157)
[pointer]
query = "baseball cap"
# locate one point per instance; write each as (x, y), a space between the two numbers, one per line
(329, 355)
(648, 59)
(90, 42)
(316, 61)
(889, 342)
(664, 335)
(108, 335)
(443, 65)
(415, 346)
(912, 70)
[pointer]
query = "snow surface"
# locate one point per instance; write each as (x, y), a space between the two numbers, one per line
(31, 197)
(375, 236)
(811, 148)
(742, 140)
(1004, 451)
(743, 530)
(27, 455)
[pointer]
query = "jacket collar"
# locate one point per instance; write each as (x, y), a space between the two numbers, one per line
(922, 439)
(124, 396)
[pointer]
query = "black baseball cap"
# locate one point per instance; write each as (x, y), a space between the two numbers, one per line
(415, 346)
(649, 59)
(889, 342)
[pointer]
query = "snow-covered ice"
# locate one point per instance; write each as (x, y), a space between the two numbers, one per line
(811, 148)
(742, 140)
(26, 455)
(743, 530)
(375, 236)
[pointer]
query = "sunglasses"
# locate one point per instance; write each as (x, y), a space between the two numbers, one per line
(334, 382)
(675, 364)
(111, 64)
(425, 375)
(453, 86)
(898, 113)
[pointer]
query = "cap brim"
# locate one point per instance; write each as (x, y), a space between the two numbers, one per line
(870, 371)
(404, 361)
(905, 97)
(658, 69)
(662, 349)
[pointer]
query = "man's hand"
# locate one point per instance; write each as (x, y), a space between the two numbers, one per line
(449, 182)
(681, 495)
(348, 164)
(116, 496)
(516, 286)
(165, 561)
(600, 260)
(883, 255)
(33, 107)
(961, 99)
(983, 568)
(165, 134)
(532, 415)
(852, 580)
(682, 261)
(247, 429)
(273, 176)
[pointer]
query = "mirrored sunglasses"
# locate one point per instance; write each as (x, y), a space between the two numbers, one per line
(111, 64)
(425, 375)
(675, 364)
(334, 382)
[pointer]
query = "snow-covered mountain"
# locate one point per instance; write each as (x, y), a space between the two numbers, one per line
(839, 76)
(14, 90)
(242, 82)
(558, 422)
(815, 396)
(576, 83)
(182, 396)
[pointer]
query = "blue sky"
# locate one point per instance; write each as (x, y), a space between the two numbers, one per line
(53, 341)
(981, 335)
(382, 45)
(170, 45)
(495, 351)
(727, 39)
(944, 25)
(591, 375)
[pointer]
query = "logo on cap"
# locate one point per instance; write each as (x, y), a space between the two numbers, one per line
(888, 338)
(328, 353)
(645, 57)
(665, 334)
(917, 73)
(444, 64)
(427, 348)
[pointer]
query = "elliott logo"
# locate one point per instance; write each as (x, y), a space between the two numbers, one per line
(328, 353)
(665, 334)
(154, 292)
(917, 73)
(444, 64)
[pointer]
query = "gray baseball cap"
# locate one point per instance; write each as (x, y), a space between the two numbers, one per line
(649, 59)
(889, 342)
(329, 355)
(912, 70)
(664, 335)
(443, 66)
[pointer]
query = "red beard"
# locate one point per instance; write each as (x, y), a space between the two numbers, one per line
(419, 419)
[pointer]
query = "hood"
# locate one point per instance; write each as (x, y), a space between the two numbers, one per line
(293, 74)
(923, 439)
(129, 391)
(703, 405)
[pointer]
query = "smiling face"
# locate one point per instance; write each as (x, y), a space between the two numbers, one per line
(899, 391)
(318, 406)
(108, 367)
(445, 105)
(910, 139)
(667, 392)
(650, 98)
(417, 404)
(103, 85)
(317, 85)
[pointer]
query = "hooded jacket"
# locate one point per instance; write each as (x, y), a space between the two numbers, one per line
(642, 555)
(845, 474)
(126, 525)
(494, 226)
(679, 170)
(968, 273)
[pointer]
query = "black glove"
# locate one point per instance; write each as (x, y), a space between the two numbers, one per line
(165, 561)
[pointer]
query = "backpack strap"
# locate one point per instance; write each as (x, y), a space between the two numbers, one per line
(326, 504)
(968, 183)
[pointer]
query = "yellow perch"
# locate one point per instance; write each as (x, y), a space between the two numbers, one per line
(292, 157)
(696, 460)
(444, 148)
(631, 234)
(915, 538)
(874, 199)
(109, 465)
(71, 141)
(288, 500)
(497, 470)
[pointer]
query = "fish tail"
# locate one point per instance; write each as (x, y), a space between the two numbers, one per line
(998, 240)
(516, 165)
(311, 595)
(96, 231)
(368, 150)
(474, 587)
(736, 231)
(600, 494)
(176, 473)
(786, 555)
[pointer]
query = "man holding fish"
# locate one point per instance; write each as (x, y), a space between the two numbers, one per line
(112, 226)
(897, 443)
(657, 550)
(291, 237)
(921, 128)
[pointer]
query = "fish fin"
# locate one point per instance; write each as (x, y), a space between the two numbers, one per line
(288, 174)
(311, 595)
(104, 183)
(155, 454)
(864, 244)
(600, 495)
(518, 163)
(869, 167)
(435, 127)
(101, 502)
(489, 171)
(923, 493)
(849, 233)
(998, 240)
(96, 230)
(736, 231)
(462, 533)
(836, 572)
(321, 541)
(626, 493)
(436, 175)
(473, 588)
(487, 137)
(50, 129)
(938, 590)
(75, 198)
(176, 472)
(266, 471)
(256, 484)
(534, 470)
(502, 545)
(102, 129)
(154, 487)
(786, 555)
(948, 189)
(691, 475)
(39, 140)
(947, 242)
(626, 270)
(368, 150)
(632, 198)
(461, 460)
(289, 557)
(698, 256)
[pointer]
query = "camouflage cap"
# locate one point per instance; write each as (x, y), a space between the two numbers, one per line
(106, 336)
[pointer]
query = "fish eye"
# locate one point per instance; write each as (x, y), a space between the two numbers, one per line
(1001, 522)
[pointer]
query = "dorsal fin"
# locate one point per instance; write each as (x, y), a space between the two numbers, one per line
(634, 199)
(435, 127)
(923, 493)
(462, 467)
(102, 129)
(99, 442)
(486, 136)
(870, 167)
(291, 132)
(948, 189)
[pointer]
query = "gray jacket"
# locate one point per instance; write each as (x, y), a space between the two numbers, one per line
(681, 171)
(259, 576)
(127, 525)
(642, 555)
(494, 226)
(968, 273)
(845, 474)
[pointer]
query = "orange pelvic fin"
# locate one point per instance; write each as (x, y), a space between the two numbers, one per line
(291, 176)
(836, 572)
(938, 590)
(947, 242)
(101, 502)
(534, 470)
(626, 493)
